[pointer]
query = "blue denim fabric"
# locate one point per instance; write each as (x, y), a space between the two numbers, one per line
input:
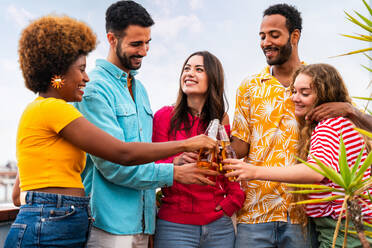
(275, 234)
(51, 220)
(217, 234)
(108, 104)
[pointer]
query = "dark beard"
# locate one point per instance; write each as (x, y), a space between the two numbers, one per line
(284, 54)
(125, 60)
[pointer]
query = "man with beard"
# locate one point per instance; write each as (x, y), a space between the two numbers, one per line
(123, 198)
(265, 134)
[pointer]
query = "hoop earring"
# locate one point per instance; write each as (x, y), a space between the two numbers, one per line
(57, 81)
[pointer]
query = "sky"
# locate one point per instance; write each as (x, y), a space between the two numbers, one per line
(228, 29)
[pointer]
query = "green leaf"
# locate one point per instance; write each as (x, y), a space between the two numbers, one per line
(369, 57)
(367, 163)
(368, 37)
(327, 199)
(366, 197)
(363, 98)
(342, 162)
(312, 167)
(352, 19)
(357, 162)
(364, 132)
(331, 174)
(369, 111)
(368, 7)
(354, 52)
(367, 224)
(309, 186)
(368, 22)
(358, 37)
(311, 191)
(365, 67)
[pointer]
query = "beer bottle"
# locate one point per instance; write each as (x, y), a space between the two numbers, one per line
(207, 157)
(226, 150)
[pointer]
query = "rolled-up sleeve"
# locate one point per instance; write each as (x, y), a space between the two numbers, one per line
(99, 110)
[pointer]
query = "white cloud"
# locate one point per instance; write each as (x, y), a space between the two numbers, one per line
(165, 6)
(196, 4)
(19, 15)
(170, 27)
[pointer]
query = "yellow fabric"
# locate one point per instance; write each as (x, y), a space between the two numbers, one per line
(264, 118)
(45, 159)
(129, 83)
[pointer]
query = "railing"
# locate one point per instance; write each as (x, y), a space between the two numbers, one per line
(8, 212)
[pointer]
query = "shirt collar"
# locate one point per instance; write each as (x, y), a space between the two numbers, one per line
(266, 72)
(114, 70)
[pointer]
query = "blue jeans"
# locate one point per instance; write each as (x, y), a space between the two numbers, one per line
(217, 234)
(275, 234)
(51, 220)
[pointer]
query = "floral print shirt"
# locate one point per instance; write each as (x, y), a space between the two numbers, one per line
(264, 118)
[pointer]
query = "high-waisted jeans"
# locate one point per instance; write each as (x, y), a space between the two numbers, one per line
(51, 220)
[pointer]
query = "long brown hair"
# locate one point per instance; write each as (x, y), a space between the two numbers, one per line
(215, 103)
(329, 86)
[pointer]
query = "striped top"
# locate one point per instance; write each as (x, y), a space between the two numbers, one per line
(325, 143)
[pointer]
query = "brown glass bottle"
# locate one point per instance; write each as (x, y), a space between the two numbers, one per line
(207, 157)
(226, 150)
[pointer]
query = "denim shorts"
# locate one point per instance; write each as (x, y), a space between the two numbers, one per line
(217, 234)
(51, 220)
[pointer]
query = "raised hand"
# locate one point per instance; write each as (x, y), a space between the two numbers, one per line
(191, 174)
(241, 170)
(186, 157)
(197, 142)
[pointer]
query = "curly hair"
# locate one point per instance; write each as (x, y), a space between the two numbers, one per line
(215, 104)
(291, 14)
(124, 13)
(49, 45)
(329, 87)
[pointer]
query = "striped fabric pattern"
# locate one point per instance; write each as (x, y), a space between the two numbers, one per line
(325, 144)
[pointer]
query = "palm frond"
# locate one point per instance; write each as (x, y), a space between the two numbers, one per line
(330, 173)
(343, 165)
(368, 39)
(366, 20)
(368, 69)
(368, 7)
(354, 20)
(311, 191)
(326, 199)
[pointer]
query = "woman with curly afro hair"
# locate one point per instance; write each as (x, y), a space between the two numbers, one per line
(53, 137)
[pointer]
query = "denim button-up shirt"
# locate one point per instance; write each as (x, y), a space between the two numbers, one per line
(122, 198)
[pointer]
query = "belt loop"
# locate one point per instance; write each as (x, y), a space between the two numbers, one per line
(30, 197)
(59, 200)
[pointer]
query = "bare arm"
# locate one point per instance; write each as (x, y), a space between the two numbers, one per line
(240, 147)
(16, 192)
(344, 109)
(299, 173)
(93, 140)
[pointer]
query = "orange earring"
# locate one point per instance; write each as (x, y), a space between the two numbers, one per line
(57, 82)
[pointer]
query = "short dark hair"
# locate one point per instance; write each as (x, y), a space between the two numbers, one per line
(49, 46)
(291, 14)
(124, 13)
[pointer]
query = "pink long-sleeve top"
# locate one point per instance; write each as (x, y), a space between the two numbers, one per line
(193, 204)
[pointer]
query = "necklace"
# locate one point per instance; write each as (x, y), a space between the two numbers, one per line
(194, 113)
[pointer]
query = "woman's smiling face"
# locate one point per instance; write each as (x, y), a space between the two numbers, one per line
(75, 80)
(194, 78)
(303, 95)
